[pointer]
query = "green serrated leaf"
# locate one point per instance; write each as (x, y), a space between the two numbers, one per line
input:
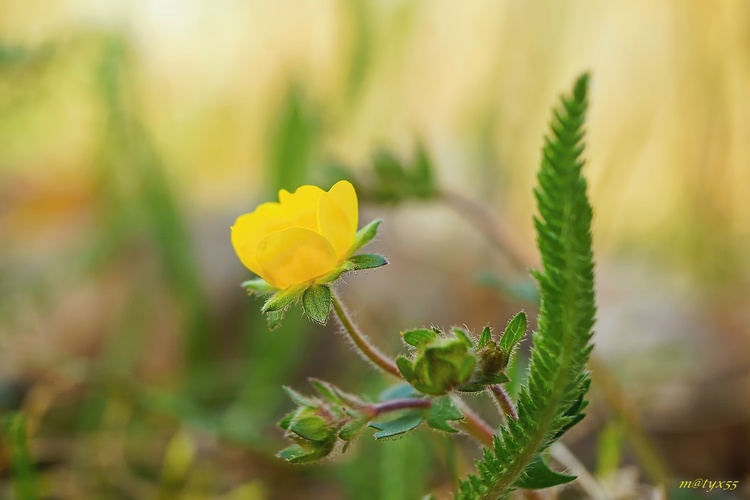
(316, 302)
(537, 475)
(365, 235)
(398, 427)
(557, 374)
(441, 411)
(259, 287)
(281, 300)
(485, 337)
(366, 261)
(418, 337)
(513, 333)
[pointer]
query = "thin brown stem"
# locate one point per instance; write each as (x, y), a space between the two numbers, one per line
(500, 236)
(369, 351)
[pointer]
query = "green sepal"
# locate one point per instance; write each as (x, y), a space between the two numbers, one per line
(365, 235)
(419, 336)
(307, 452)
(513, 334)
(485, 337)
(405, 366)
(311, 427)
(537, 475)
(366, 261)
(285, 422)
(352, 428)
(326, 390)
(336, 395)
(295, 454)
(399, 427)
(441, 411)
(282, 299)
(298, 398)
(461, 334)
(274, 319)
(259, 287)
(316, 302)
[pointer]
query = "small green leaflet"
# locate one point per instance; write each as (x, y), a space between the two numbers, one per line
(441, 412)
(397, 428)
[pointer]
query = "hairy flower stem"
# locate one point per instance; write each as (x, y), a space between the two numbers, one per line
(398, 404)
(364, 345)
(504, 402)
(472, 424)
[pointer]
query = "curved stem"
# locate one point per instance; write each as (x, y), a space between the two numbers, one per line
(369, 351)
(473, 423)
(504, 402)
(500, 236)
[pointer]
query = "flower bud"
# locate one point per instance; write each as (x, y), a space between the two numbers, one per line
(440, 363)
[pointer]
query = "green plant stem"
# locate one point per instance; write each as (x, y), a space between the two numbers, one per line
(472, 424)
(369, 351)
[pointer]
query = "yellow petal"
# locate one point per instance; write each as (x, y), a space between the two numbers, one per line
(250, 229)
(301, 207)
(293, 256)
(338, 216)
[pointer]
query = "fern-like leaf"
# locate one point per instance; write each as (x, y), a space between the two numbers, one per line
(553, 398)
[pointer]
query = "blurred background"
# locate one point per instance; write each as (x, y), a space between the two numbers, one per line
(132, 134)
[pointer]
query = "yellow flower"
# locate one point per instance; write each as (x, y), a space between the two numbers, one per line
(307, 235)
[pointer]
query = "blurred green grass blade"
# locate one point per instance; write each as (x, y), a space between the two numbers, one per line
(609, 448)
(15, 438)
(137, 199)
(291, 146)
(403, 468)
(362, 53)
